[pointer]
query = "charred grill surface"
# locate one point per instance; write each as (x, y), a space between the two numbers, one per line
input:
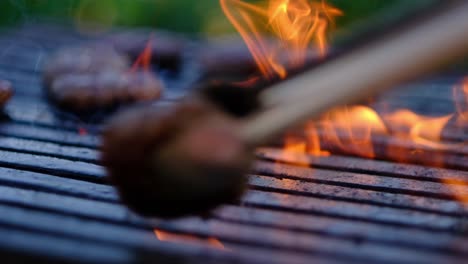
(56, 205)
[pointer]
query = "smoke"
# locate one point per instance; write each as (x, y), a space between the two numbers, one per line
(12, 49)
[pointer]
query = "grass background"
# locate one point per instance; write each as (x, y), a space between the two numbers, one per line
(193, 17)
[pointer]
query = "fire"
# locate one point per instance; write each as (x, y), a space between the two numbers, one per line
(351, 129)
(358, 130)
(355, 130)
(296, 24)
(247, 83)
(294, 147)
(312, 138)
(144, 59)
(458, 189)
(401, 135)
(210, 241)
(460, 93)
(420, 129)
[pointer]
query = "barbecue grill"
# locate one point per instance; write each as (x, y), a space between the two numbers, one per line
(57, 207)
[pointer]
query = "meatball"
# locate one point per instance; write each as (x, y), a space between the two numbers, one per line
(179, 161)
(84, 92)
(80, 60)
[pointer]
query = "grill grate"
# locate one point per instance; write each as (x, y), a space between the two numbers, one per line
(56, 206)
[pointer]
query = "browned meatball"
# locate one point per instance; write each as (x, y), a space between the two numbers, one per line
(92, 91)
(185, 160)
(80, 60)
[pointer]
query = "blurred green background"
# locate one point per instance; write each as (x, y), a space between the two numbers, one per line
(194, 17)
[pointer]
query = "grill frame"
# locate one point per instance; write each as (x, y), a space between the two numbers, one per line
(57, 206)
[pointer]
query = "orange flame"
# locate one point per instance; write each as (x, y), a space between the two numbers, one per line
(458, 189)
(295, 24)
(349, 129)
(293, 148)
(144, 59)
(250, 82)
(171, 237)
(298, 24)
(460, 93)
(312, 138)
(352, 130)
(420, 129)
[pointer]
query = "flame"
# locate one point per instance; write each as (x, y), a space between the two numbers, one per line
(420, 129)
(294, 147)
(295, 24)
(144, 59)
(312, 138)
(351, 129)
(460, 93)
(180, 238)
(408, 136)
(458, 189)
(250, 82)
(216, 243)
